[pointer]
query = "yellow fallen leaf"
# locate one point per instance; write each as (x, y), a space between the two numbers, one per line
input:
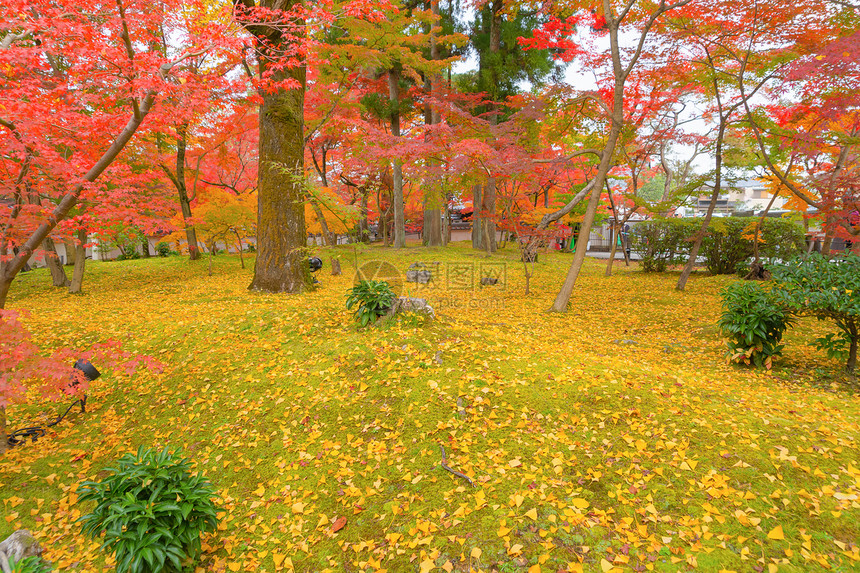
(776, 533)
(534, 568)
(260, 491)
(426, 565)
(476, 553)
(298, 507)
(278, 558)
(532, 513)
(579, 503)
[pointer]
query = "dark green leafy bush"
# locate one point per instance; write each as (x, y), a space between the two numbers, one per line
(753, 322)
(151, 510)
(726, 248)
(162, 249)
(825, 289)
(663, 242)
(373, 298)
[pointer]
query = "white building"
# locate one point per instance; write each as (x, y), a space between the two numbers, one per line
(747, 195)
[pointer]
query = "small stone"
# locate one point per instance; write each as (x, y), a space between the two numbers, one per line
(418, 273)
(407, 304)
(487, 281)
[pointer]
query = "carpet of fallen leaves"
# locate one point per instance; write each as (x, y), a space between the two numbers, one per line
(611, 438)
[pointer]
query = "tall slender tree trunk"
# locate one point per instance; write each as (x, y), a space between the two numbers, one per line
(432, 189)
(178, 179)
(612, 249)
(80, 262)
(52, 261)
(563, 298)
(489, 241)
(326, 234)
(477, 231)
(851, 367)
(241, 254)
(397, 187)
(700, 236)
(489, 197)
(363, 224)
(3, 436)
(281, 264)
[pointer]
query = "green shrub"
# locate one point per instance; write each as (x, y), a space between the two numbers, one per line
(753, 322)
(825, 289)
(151, 511)
(662, 242)
(29, 565)
(162, 249)
(726, 248)
(374, 298)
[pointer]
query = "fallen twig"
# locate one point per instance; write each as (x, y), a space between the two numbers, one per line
(455, 472)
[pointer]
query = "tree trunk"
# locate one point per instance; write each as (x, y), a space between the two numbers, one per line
(3, 437)
(144, 245)
(178, 178)
(432, 189)
(851, 367)
(52, 261)
(326, 234)
(241, 254)
(397, 186)
(489, 226)
(70, 252)
(700, 236)
(612, 249)
(363, 225)
(281, 264)
(80, 262)
(563, 298)
(477, 232)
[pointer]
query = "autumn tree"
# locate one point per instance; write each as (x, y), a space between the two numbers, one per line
(503, 65)
(620, 23)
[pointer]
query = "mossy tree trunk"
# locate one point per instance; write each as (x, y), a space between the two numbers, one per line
(281, 264)
(397, 171)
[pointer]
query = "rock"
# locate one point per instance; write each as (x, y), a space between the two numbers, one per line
(19, 545)
(461, 408)
(418, 273)
(486, 281)
(335, 267)
(407, 304)
(438, 357)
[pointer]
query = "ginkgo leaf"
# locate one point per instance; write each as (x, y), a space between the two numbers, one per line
(776, 533)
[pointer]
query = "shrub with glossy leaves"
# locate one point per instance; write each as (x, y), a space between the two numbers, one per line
(151, 510)
(753, 322)
(826, 289)
(373, 298)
